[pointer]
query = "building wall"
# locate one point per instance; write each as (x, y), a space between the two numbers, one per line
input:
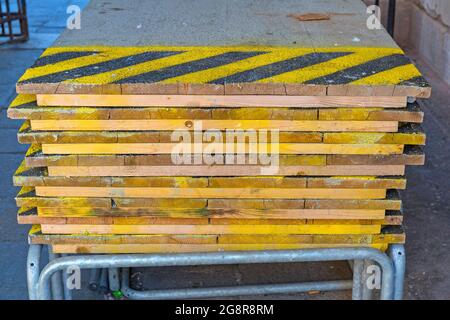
(429, 33)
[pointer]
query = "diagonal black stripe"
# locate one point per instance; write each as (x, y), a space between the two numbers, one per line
(418, 81)
(189, 67)
(101, 67)
(280, 67)
(62, 56)
(363, 70)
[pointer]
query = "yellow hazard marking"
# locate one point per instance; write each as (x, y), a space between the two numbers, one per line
(268, 56)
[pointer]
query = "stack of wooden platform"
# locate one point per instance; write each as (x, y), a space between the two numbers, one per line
(100, 175)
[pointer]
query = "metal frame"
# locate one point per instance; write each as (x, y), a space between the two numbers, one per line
(6, 21)
(392, 4)
(115, 271)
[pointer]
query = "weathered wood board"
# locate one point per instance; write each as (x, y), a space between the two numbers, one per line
(25, 107)
(251, 217)
(198, 243)
(28, 198)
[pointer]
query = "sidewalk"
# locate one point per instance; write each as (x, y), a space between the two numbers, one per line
(46, 20)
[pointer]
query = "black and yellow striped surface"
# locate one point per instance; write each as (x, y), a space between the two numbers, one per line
(219, 67)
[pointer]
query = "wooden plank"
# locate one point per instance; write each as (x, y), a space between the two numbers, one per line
(392, 202)
(31, 216)
(36, 237)
(411, 156)
(25, 176)
(199, 193)
(27, 198)
(319, 57)
(248, 214)
(412, 114)
(397, 138)
(193, 124)
(211, 229)
(236, 170)
(236, 101)
(220, 148)
(27, 136)
(179, 248)
(25, 107)
(394, 235)
(366, 182)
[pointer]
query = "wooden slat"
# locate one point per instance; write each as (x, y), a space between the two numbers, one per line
(211, 229)
(25, 107)
(346, 170)
(413, 155)
(269, 101)
(226, 148)
(199, 193)
(27, 198)
(58, 212)
(178, 248)
(25, 176)
(193, 124)
(364, 217)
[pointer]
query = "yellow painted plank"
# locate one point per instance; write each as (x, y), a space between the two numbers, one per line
(320, 62)
(363, 137)
(263, 193)
(268, 101)
(211, 229)
(231, 170)
(149, 248)
(220, 148)
(214, 213)
(191, 124)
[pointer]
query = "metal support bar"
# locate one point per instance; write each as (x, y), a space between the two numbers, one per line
(230, 291)
(94, 279)
(367, 293)
(33, 269)
(358, 268)
(67, 291)
(221, 258)
(391, 17)
(56, 281)
(103, 287)
(398, 256)
(113, 279)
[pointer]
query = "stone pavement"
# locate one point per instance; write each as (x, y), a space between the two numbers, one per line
(427, 206)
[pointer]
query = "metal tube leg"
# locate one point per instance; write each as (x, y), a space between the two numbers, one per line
(358, 268)
(56, 281)
(367, 292)
(33, 268)
(397, 254)
(94, 279)
(113, 278)
(65, 276)
(391, 17)
(226, 258)
(229, 291)
(103, 287)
